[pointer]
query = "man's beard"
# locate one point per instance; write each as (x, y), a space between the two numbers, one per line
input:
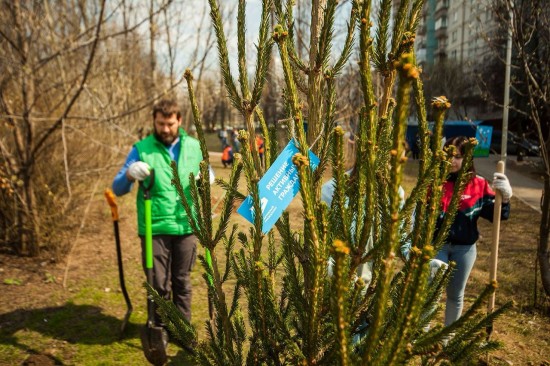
(167, 139)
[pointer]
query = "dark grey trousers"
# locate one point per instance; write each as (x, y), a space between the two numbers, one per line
(173, 259)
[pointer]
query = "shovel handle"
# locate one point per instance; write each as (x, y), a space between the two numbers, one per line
(496, 238)
(148, 221)
(109, 195)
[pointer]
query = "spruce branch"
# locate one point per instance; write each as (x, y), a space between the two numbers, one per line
(229, 246)
(407, 74)
(230, 197)
(399, 30)
(382, 36)
(339, 199)
(190, 210)
(241, 52)
(196, 114)
(348, 44)
(287, 18)
(425, 152)
(268, 150)
(264, 49)
(178, 326)
(414, 16)
(365, 48)
(223, 55)
(341, 278)
(326, 36)
(280, 35)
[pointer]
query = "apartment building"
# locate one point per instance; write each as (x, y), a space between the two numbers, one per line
(458, 31)
(455, 30)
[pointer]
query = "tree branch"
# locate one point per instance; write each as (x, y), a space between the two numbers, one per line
(59, 121)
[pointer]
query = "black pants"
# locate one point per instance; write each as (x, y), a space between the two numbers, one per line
(173, 259)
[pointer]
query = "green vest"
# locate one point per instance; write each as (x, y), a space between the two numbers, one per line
(168, 214)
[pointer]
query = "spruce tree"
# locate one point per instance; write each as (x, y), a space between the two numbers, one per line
(312, 315)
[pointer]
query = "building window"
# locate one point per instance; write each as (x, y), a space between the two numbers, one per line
(454, 54)
(455, 16)
(454, 36)
(441, 23)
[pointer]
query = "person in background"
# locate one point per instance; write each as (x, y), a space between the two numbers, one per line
(222, 135)
(236, 142)
(260, 146)
(227, 156)
(174, 245)
(477, 201)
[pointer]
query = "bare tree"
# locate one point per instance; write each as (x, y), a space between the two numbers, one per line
(29, 72)
(529, 24)
(453, 80)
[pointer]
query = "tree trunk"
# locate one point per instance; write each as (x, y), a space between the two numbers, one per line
(28, 216)
(152, 54)
(30, 226)
(543, 255)
(315, 77)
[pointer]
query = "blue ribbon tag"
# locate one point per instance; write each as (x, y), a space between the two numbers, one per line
(277, 188)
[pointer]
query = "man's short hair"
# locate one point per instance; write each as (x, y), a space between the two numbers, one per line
(167, 107)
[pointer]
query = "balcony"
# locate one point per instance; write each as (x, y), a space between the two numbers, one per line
(441, 4)
(441, 32)
(441, 9)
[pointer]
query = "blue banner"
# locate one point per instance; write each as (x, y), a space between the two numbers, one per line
(277, 188)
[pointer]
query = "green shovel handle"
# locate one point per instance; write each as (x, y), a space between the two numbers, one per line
(148, 220)
(148, 236)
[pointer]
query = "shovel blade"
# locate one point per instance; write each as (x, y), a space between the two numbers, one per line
(154, 346)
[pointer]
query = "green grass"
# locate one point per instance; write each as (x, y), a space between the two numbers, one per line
(82, 331)
(213, 141)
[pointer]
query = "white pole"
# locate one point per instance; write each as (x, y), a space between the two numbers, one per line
(504, 142)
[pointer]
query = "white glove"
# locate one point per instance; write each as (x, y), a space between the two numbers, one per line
(502, 184)
(435, 265)
(211, 175)
(139, 170)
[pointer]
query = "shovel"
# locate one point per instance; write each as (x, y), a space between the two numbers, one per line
(494, 248)
(152, 340)
(114, 213)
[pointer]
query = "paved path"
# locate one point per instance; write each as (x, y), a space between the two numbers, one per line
(524, 187)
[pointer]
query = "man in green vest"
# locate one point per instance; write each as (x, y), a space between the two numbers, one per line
(174, 245)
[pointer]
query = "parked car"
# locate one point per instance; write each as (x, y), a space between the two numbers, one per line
(515, 145)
